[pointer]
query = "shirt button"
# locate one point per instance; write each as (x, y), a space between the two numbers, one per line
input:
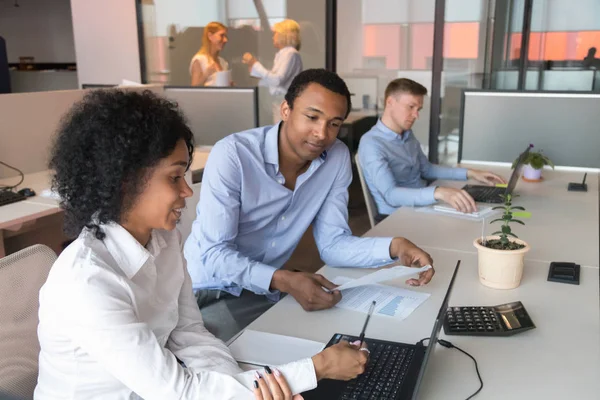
(272, 244)
(283, 218)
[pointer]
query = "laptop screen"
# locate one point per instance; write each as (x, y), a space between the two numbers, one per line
(514, 178)
(437, 327)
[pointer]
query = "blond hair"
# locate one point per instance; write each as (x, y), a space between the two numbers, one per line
(289, 33)
(210, 28)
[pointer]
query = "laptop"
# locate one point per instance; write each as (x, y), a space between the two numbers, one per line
(491, 194)
(394, 371)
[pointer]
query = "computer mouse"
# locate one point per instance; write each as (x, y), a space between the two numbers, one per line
(27, 192)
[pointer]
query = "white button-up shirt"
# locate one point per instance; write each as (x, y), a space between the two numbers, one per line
(114, 318)
(286, 66)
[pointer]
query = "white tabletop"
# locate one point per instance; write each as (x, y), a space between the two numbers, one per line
(563, 225)
(559, 359)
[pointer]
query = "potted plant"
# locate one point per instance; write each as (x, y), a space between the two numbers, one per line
(533, 164)
(501, 255)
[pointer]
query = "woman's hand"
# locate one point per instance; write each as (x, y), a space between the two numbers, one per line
(271, 385)
(342, 361)
(248, 59)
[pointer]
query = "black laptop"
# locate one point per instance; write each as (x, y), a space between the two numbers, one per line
(491, 194)
(395, 370)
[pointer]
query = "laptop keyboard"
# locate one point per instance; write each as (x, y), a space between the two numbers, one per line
(8, 197)
(387, 368)
(486, 194)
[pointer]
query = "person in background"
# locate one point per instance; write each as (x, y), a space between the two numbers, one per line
(207, 62)
(261, 190)
(394, 165)
(117, 317)
(287, 63)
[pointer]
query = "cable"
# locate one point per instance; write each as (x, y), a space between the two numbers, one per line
(4, 187)
(449, 345)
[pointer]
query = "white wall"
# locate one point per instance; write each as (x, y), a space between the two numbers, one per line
(38, 28)
(106, 41)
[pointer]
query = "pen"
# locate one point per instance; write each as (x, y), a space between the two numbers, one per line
(362, 334)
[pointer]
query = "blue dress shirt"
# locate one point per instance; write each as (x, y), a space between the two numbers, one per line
(395, 169)
(248, 223)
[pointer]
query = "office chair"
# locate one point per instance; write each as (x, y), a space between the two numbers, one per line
(188, 215)
(22, 274)
(369, 202)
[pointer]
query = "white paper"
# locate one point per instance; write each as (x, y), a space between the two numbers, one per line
(391, 301)
(262, 348)
(384, 274)
(223, 78)
(481, 213)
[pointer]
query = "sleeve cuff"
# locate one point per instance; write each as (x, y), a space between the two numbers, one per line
(300, 375)
(427, 195)
(460, 174)
(258, 71)
(381, 251)
(261, 277)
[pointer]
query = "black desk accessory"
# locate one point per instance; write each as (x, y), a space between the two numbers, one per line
(564, 272)
(578, 187)
(503, 320)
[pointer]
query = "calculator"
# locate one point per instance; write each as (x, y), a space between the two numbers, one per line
(503, 320)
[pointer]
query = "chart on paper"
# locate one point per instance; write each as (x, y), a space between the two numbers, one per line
(391, 301)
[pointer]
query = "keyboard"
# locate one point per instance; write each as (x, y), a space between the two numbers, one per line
(485, 194)
(387, 368)
(8, 197)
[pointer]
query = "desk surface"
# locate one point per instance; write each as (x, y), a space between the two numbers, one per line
(563, 225)
(559, 359)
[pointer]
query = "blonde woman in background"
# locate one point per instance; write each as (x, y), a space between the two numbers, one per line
(206, 62)
(287, 63)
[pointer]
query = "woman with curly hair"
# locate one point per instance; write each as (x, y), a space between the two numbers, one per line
(118, 319)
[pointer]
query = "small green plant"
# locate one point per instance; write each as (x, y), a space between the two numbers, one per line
(507, 218)
(536, 159)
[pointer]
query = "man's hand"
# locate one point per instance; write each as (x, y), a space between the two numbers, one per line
(485, 177)
(307, 289)
(412, 256)
(457, 198)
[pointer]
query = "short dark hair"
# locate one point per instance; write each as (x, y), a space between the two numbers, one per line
(105, 147)
(329, 80)
(405, 85)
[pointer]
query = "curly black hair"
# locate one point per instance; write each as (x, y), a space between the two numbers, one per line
(105, 147)
(329, 80)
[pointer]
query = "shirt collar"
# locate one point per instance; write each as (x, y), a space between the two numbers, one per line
(271, 151)
(129, 254)
(389, 134)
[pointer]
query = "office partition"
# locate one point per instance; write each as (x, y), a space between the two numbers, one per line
(497, 125)
(214, 113)
(28, 123)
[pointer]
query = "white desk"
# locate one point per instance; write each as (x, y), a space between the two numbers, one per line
(560, 359)
(563, 225)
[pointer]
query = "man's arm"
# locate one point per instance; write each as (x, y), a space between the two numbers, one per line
(432, 172)
(216, 227)
(377, 168)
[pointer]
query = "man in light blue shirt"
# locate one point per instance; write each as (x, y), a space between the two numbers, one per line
(394, 166)
(261, 190)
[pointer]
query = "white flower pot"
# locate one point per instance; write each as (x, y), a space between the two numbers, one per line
(500, 269)
(531, 174)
